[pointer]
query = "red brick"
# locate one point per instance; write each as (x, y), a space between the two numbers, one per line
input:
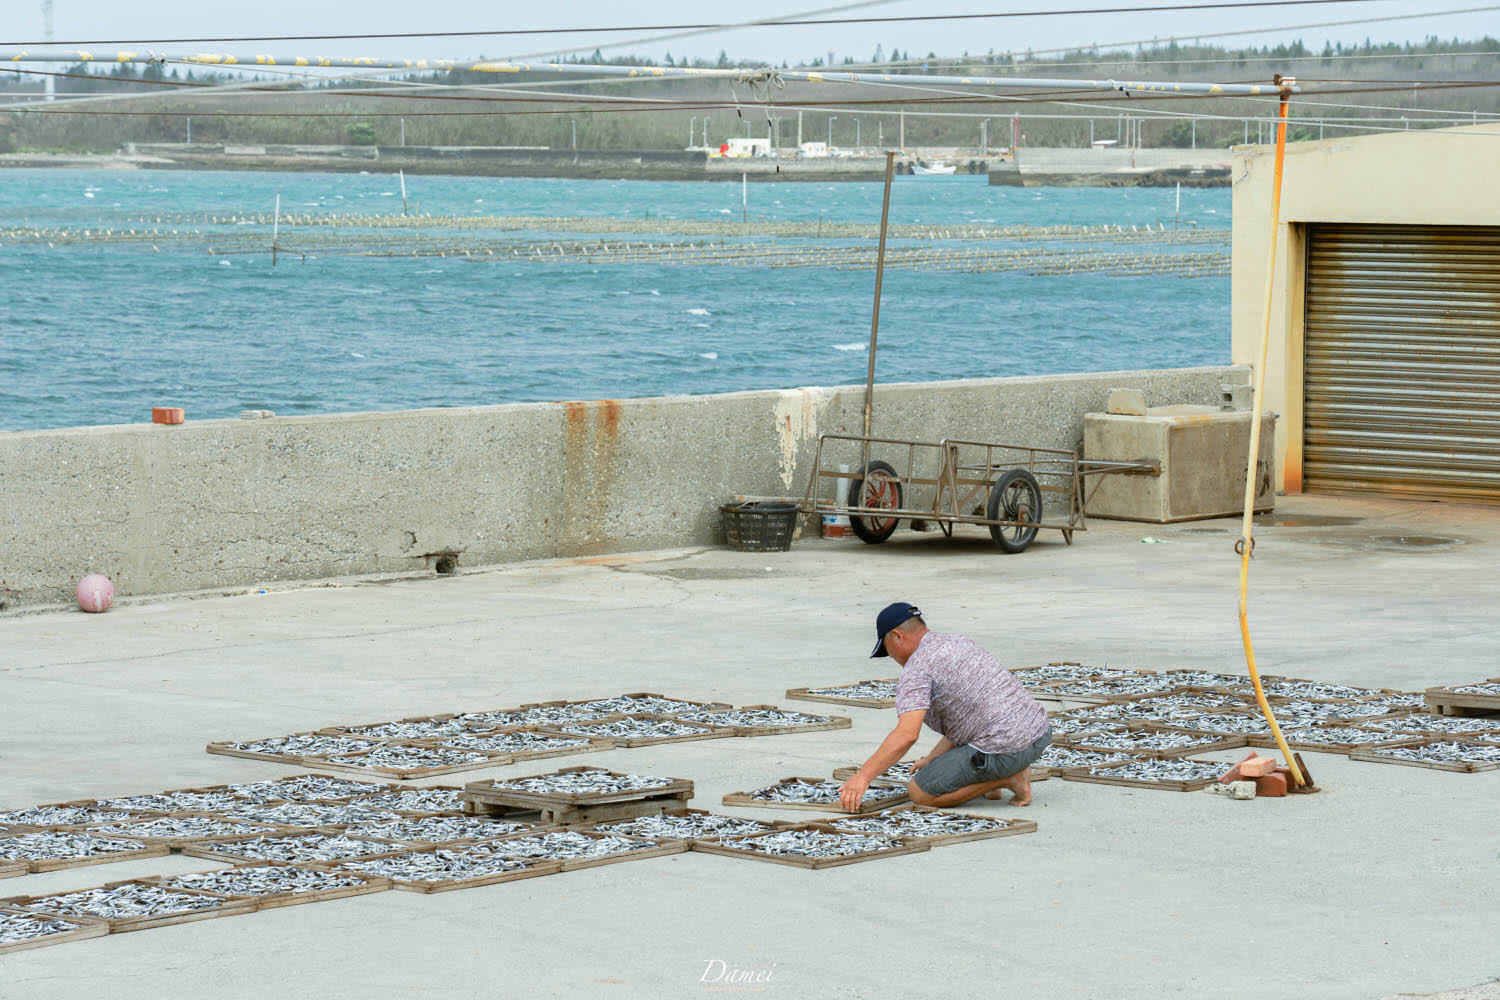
(1258, 768)
(1272, 785)
(1233, 774)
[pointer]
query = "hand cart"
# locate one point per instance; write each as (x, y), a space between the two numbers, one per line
(953, 481)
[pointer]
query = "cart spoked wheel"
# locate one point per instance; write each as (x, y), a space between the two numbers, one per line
(878, 486)
(1015, 497)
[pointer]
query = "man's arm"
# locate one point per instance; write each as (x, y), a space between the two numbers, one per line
(943, 746)
(895, 746)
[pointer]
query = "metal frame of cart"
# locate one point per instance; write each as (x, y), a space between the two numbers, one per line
(997, 485)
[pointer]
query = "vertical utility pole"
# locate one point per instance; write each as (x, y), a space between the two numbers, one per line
(403, 131)
(744, 198)
(1195, 133)
(190, 130)
(984, 137)
(799, 130)
(692, 124)
(1091, 133)
(275, 228)
(903, 131)
(402, 175)
(575, 134)
(885, 215)
(48, 82)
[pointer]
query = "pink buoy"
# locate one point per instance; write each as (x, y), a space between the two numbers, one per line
(95, 593)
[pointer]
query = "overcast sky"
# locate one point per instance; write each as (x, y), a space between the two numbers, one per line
(111, 19)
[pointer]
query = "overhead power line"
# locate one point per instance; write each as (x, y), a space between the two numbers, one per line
(971, 61)
(708, 26)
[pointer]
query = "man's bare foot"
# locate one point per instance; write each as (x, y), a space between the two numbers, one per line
(997, 794)
(1021, 791)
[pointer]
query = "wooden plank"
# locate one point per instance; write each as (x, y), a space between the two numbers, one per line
(1011, 828)
(356, 731)
(602, 826)
(584, 729)
(606, 811)
(1450, 701)
(1170, 785)
(232, 748)
(138, 830)
(227, 906)
(649, 849)
(83, 929)
(807, 694)
(729, 848)
(12, 869)
(697, 705)
(353, 762)
(225, 850)
(368, 884)
(140, 852)
(882, 779)
(1374, 756)
(534, 867)
(828, 722)
(1214, 742)
(486, 791)
(745, 800)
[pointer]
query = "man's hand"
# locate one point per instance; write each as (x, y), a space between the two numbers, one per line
(853, 793)
(918, 765)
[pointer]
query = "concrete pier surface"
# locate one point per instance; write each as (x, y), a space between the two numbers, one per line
(1383, 884)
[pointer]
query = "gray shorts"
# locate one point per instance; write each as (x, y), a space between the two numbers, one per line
(963, 766)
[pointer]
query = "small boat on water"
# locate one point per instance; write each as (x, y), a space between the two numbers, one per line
(940, 169)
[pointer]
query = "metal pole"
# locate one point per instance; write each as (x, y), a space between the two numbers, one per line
(984, 138)
(1091, 133)
(275, 228)
(885, 215)
(575, 135)
(692, 124)
(744, 197)
(903, 131)
(1195, 133)
(831, 120)
(799, 130)
(403, 131)
(190, 131)
(402, 175)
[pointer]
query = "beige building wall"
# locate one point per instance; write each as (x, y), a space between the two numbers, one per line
(1449, 178)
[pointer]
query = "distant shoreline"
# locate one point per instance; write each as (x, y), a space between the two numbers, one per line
(1037, 167)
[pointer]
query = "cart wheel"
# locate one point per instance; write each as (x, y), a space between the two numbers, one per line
(878, 486)
(1016, 497)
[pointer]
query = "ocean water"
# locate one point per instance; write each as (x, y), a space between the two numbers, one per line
(97, 334)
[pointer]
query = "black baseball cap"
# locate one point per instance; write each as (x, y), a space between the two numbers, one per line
(893, 615)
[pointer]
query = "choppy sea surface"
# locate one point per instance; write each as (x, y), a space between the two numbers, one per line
(94, 333)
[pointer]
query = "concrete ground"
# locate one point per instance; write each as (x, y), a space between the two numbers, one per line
(1383, 884)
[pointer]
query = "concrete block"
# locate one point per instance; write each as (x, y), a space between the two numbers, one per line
(167, 415)
(1201, 450)
(1130, 402)
(1239, 790)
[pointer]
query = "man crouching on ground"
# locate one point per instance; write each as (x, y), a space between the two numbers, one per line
(991, 728)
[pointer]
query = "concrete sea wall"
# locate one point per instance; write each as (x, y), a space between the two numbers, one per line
(234, 502)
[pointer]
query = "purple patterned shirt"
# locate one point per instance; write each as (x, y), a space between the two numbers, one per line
(969, 697)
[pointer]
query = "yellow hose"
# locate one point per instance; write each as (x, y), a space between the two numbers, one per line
(1246, 543)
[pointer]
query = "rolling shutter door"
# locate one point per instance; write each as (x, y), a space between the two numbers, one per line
(1402, 353)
